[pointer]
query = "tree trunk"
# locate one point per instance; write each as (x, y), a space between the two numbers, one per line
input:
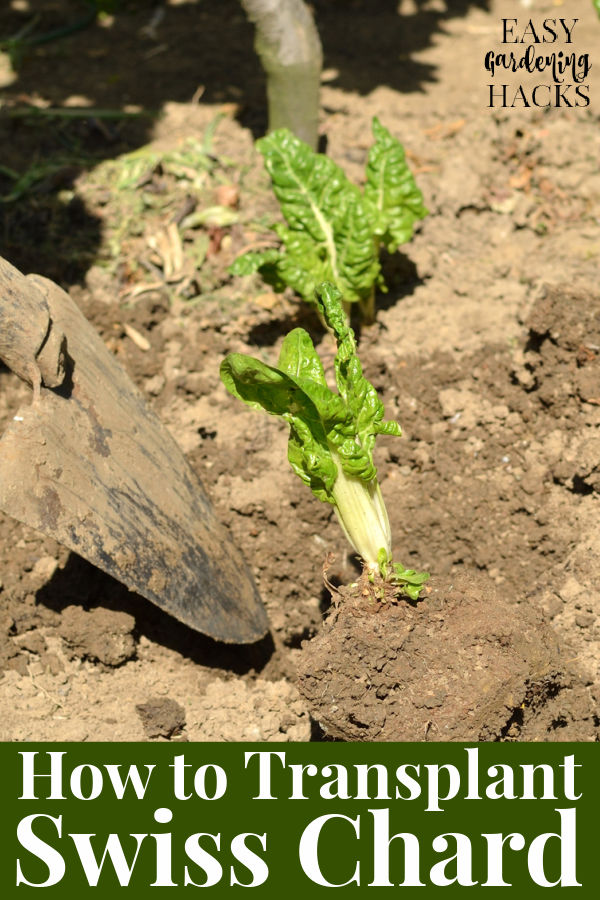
(289, 48)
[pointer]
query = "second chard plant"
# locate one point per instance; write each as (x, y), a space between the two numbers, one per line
(335, 230)
(332, 435)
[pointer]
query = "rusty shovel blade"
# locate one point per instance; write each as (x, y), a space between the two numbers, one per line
(89, 464)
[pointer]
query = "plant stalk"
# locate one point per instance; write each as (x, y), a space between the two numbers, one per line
(362, 514)
(366, 308)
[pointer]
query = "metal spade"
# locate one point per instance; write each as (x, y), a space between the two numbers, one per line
(89, 464)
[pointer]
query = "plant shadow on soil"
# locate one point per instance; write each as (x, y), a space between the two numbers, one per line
(189, 47)
(401, 278)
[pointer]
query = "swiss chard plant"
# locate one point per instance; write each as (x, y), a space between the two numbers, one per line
(335, 230)
(332, 435)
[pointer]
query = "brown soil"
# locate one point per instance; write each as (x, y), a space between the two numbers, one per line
(486, 349)
(456, 666)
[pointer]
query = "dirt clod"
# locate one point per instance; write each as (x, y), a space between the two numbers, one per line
(161, 717)
(100, 635)
(458, 665)
(564, 342)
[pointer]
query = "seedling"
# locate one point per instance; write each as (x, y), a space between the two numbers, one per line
(332, 435)
(334, 230)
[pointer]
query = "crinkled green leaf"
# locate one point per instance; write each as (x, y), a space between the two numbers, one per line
(312, 190)
(310, 462)
(254, 261)
(409, 581)
(391, 190)
(332, 434)
(328, 299)
(263, 387)
(296, 264)
(301, 264)
(358, 266)
(334, 230)
(328, 211)
(359, 395)
(298, 358)
(267, 262)
(320, 420)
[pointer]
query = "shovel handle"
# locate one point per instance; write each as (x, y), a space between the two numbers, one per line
(30, 345)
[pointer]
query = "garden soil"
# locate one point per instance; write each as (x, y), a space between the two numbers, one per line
(486, 349)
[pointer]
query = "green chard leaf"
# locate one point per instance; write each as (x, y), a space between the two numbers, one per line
(360, 396)
(358, 266)
(299, 359)
(300, 265)
(312, 190)
(391, 190)
(409, 581)
(331, 438)
(332, 434)
(267, 262)
(330, 226)
(263, 387)
(254, 261)
(334, 230)
(322, 422)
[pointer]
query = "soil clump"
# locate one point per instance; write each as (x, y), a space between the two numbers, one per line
(464, 663)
